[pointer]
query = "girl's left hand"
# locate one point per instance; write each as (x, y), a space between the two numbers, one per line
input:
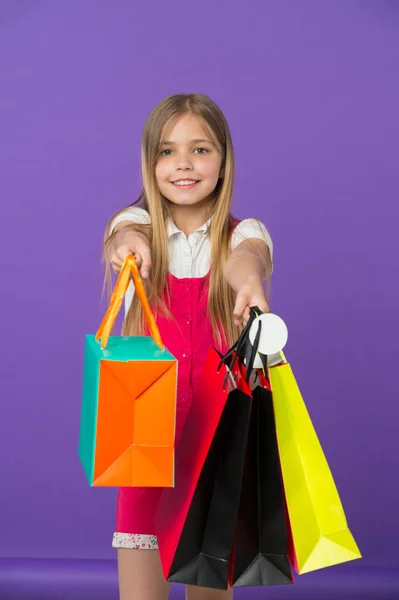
(250, 294)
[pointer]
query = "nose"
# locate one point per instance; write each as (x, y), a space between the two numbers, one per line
(183, 162)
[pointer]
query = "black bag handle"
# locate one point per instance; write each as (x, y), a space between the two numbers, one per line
(242, 348)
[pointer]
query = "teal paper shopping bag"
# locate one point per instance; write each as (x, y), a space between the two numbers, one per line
(127, 430)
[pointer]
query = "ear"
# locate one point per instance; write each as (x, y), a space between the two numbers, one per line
(221, 174)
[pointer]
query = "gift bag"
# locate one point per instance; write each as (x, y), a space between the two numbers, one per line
(320, 533)
(196, 520)
(261, 542)
(127, 429)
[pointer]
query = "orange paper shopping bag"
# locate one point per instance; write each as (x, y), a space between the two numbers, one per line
(127, 430)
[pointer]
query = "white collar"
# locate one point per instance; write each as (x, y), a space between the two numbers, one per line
(172, 228)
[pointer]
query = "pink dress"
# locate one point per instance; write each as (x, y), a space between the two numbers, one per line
(188, 337)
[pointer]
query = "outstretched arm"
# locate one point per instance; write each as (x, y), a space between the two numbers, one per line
(248, 265)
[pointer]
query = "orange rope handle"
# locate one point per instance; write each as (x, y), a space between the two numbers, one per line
(121, 285)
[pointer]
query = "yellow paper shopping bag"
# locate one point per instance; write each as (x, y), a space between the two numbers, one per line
(320, 533)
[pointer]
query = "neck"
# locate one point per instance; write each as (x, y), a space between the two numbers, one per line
(189, 218)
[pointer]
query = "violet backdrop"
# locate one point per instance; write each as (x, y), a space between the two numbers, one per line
(310, 90)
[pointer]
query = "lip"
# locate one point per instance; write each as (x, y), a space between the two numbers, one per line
(185, 187)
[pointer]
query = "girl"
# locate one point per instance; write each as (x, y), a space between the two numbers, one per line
(202, 271)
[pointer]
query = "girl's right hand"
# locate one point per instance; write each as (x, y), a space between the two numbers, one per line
(127, 242)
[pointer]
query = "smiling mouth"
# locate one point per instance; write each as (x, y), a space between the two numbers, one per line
(185, 183)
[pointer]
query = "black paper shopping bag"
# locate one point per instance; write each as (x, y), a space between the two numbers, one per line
(261, 542)
(205, 545)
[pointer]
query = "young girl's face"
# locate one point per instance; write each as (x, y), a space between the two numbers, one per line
(189, 163)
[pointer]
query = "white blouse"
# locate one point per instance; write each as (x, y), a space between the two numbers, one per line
(190, 256)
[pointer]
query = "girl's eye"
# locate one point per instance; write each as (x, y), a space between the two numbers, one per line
(166, 152)
(201, 151)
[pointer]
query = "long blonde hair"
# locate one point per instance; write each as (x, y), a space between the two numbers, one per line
(220, 299)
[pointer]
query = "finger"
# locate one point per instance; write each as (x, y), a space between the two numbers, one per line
(246, 315)
(145, 259)
(137, 258)
(118, 258)
(263, 306)
(122, 253)
(239, 308)
(116, 263)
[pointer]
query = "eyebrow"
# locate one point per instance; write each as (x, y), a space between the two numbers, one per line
(167, 143)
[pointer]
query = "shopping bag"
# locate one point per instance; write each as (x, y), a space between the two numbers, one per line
(196, 520)
(320, 533)
(127, 429)
(261, 541)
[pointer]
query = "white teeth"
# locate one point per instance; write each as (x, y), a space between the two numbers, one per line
(185, 182)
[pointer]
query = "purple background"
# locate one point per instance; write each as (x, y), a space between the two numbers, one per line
(311, 92)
